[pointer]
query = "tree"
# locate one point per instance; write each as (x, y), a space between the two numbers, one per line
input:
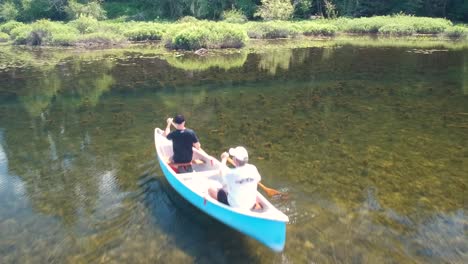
(275, 10)
(8, 11)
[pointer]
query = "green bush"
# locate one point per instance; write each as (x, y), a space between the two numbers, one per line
(191, 36)
(143, 31)
(315, 29)
(4, 37)
(271, 30)
(85, 24)
(456, 32)
(365, 25)
(426, 25)
(187, 19)
(397, 30)
(63, 39)
(9, 26)
(40, 32)
(234, 16)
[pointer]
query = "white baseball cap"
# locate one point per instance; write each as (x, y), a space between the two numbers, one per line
(239, 153)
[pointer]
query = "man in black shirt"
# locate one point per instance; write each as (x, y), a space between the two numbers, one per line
(183, 139)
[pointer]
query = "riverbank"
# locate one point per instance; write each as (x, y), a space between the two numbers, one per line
(191, 34)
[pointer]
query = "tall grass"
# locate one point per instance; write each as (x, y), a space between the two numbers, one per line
(394, 24)
(271, 30)
(204, 34)
(4, 37)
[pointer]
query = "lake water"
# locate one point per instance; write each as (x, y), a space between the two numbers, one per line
(370, 143)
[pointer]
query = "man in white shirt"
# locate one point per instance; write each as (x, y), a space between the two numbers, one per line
(240, 183)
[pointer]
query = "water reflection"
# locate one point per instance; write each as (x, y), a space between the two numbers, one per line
(371, 151)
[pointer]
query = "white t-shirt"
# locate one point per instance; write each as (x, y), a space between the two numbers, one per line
(242, 186)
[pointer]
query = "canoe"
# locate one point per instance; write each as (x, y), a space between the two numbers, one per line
(267, 226)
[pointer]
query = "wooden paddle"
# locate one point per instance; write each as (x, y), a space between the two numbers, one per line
(271, 192)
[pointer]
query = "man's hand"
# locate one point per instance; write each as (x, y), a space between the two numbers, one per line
(169, 121)
(225, 155)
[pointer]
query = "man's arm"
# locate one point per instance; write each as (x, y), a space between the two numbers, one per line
(197, 145)
(168, 127)
(224, 157)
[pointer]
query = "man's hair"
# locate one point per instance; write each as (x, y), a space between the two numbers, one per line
(179, 119)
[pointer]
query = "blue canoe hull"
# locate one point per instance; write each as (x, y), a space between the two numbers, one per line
(270, 232)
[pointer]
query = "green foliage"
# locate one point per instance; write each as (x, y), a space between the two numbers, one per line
(318, 29)
(302, 8)
(121, 9)
(191, 36)
(234, 16)
(421, 25)
(8, 11)
(275, 10)
(330, 9)
(41, 32)
(457, 32)
(143, 31)
(364, 25)
(426, 25)
(4, 37)
(271, 30)
(9, 26)
(397, 30)
(85, 24)
(187, 19)
(92, 9)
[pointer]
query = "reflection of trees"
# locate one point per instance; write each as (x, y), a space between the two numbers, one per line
(192, 62)
(75, 87)
(274, 59)
(39, 92)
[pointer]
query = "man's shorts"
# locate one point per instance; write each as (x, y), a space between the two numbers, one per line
(222, 197)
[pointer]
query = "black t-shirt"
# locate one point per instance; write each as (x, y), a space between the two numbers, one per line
(182, 142)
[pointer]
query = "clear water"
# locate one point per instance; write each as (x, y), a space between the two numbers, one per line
(370, 143)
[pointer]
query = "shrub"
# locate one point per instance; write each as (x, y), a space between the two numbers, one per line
(275, 10)
(191, 36)
(397, 30)
(9, 26)
(271, 30)
(63, 39)
(85, 24)
(364, 25)
(456, 32)
(234, 16)
(315, 29)
(143, 31)
(40, 32)
(426, 25)
(4, 37)
(187, 19)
